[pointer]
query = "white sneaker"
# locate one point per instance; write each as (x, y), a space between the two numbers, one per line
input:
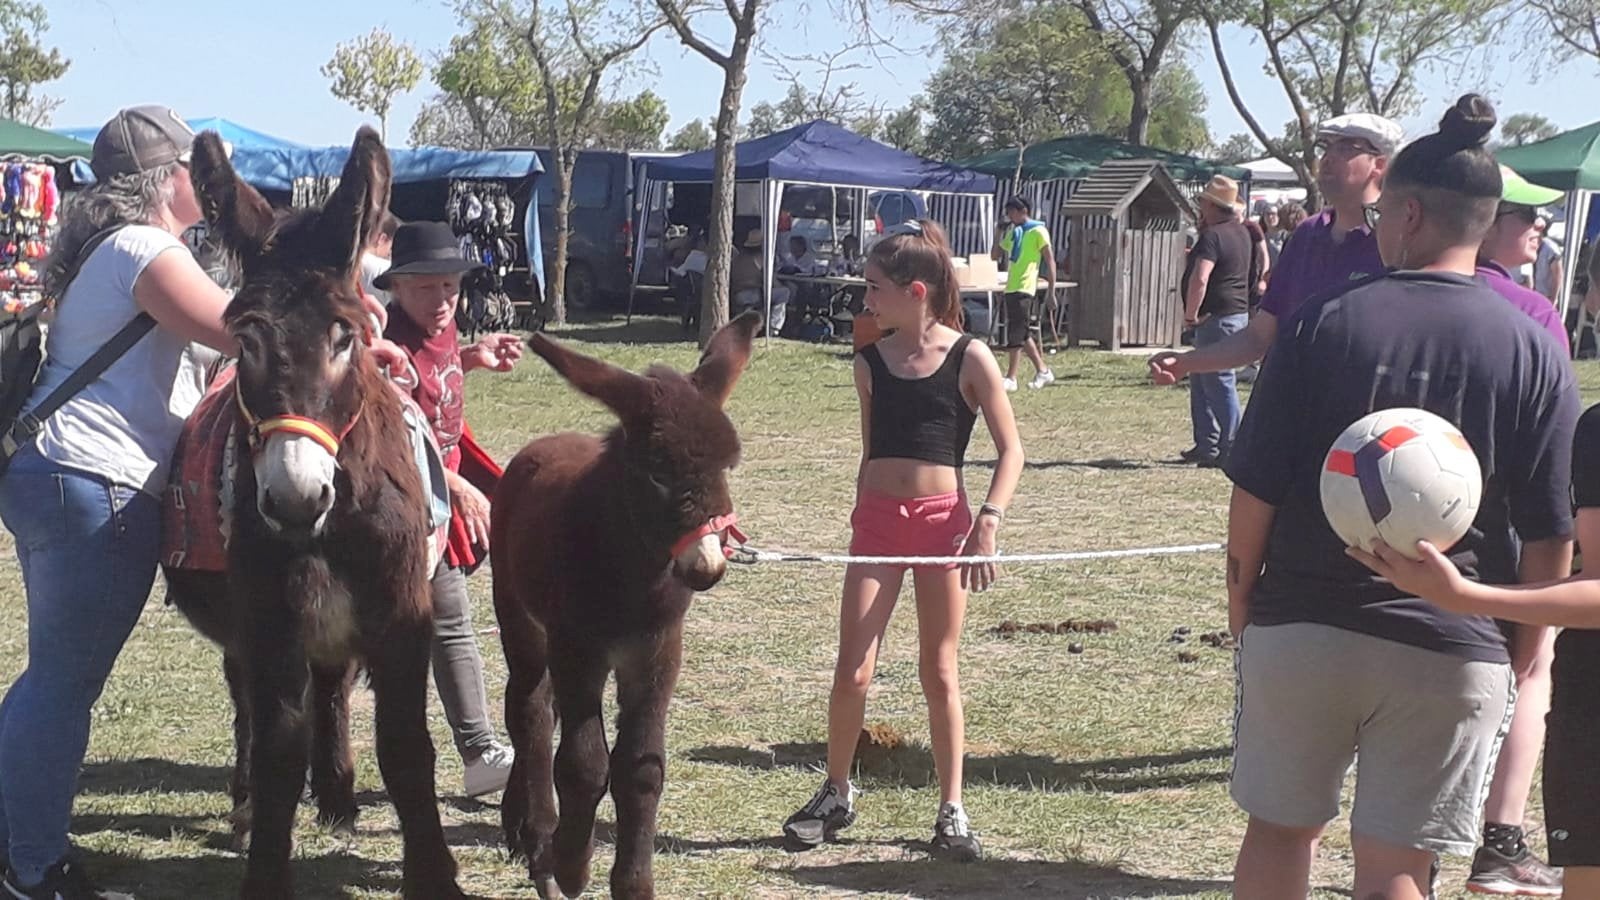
(1042, 379)
(489, 772)
(1010, 385)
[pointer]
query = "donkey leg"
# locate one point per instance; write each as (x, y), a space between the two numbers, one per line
(399, 675)
(233, 670)
(582, 763)
(333, 765)
(528, 807)
(645, 680)
(277, 685)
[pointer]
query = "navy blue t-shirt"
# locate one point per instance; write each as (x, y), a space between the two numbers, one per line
(1439, 342)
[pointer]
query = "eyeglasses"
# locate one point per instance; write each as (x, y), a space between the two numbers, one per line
(1344, 147)
(1529, 214)
(911, 227)
(1371, 213)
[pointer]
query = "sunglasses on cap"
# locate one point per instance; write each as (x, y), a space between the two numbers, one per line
(1344, 147)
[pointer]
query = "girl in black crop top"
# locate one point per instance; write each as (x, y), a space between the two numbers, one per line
(921, 390)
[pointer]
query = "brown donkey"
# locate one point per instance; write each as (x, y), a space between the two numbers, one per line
(327, 561)
(599, 544)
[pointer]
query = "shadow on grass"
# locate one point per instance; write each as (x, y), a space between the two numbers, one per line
(134, 776)
(996, 878)
(181, 878)
(617, 330)
(1110, 465)
(911, 765)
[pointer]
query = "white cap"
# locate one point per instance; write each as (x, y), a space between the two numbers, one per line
(1383, 134)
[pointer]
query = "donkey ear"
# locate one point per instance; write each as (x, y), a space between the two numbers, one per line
(240, 218)
(628, 395)
(726, 356)
(355, 209)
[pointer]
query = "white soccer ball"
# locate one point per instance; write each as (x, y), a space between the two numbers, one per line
(1401, 475)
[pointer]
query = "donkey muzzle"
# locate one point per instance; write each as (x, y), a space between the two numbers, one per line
(294, 483)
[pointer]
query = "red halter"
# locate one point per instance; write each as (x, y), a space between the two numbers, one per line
(261, 429)
(724, 526)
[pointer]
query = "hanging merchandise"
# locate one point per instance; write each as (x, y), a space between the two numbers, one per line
(312, 190)
(482, 215)
(30, 201)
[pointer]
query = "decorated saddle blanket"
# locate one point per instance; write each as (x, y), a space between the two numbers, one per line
(197, 506)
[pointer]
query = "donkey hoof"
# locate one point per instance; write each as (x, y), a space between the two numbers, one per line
(548, 890)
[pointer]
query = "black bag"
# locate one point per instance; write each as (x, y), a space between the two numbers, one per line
(22, 353)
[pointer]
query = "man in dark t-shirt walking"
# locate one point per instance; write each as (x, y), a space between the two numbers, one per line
(1216, 303)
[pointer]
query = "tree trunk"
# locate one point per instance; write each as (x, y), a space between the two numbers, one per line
(556, 287)
(714, 296)
(1139, 117)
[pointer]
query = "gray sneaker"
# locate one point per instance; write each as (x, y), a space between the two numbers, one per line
(1520, 876)
(953, 837)
(825, 815)
(489, 772)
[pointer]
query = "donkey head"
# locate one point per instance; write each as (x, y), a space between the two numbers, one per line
(298, 318)
(676, 444)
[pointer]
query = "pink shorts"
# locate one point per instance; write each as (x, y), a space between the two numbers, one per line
(910, 526)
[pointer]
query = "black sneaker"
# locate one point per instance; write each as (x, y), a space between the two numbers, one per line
(1214, 462)
(825, 815)
(1192, 455)
(65, 880)
(1512, 876)
(953, 838)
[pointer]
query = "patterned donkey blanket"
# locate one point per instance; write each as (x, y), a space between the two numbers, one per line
(198, 503)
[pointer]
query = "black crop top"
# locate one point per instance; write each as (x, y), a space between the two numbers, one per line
(920, 418)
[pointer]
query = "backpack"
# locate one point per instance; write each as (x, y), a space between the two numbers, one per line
(22, 355)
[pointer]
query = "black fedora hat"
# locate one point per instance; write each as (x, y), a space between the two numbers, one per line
(424, 248)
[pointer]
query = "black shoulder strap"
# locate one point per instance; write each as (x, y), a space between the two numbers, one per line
(28, 425)
(83, 254)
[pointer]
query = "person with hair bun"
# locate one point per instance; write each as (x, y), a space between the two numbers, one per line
(921, 388)
(1332, 658)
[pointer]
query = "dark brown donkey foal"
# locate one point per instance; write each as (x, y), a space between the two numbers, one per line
(598, 547)
(327, 560)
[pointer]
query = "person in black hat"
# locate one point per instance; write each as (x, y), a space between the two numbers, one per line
(424, 282)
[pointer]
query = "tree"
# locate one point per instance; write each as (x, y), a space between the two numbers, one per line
(1041, 73)
(1576, 24)
(1238, 148)
(691, 138)
(370, 71)
(25, 63)
(1526, 128)
(570, 52)
(1333, 57)
(904, 130)
(634, 124)
(744, 15)
(1138, 34)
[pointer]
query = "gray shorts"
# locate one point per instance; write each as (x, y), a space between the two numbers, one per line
(1428, 727)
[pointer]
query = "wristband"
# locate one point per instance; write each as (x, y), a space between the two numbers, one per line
(989, 509)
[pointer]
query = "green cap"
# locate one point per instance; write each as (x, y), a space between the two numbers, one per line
(1522, 192)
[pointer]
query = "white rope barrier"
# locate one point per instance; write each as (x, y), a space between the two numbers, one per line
(748, 554)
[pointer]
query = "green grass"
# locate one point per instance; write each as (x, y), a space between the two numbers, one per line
(1100, 774)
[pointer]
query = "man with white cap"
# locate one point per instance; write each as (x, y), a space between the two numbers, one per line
(1327, 251)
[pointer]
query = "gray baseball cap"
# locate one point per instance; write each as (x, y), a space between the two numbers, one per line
(139, 139)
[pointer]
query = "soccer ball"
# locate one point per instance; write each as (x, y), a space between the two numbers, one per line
(1402, 475)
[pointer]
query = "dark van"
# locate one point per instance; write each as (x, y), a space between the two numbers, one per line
(600, 255)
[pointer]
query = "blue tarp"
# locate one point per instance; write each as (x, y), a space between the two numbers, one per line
(231, 131)
(276, 170)
(824, 153)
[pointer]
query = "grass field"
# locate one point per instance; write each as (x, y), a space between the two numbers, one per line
(1093, 774)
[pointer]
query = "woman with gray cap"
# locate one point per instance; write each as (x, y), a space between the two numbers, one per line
(81, 494)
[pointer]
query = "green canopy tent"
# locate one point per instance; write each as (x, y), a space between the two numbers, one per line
(19, 141)
(1569, 162)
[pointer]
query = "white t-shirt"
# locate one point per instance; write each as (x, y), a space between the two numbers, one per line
(1543, 276)
(125, 424)
(372, 266)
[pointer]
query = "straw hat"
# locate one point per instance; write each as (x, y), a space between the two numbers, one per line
(1221, 190)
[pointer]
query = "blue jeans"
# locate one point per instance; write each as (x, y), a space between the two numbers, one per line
(88, 550)
(1213, 400)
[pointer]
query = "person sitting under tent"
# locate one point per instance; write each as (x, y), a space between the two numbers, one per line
(747, 279)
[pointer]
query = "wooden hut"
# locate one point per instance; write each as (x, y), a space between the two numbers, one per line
(1129, 220)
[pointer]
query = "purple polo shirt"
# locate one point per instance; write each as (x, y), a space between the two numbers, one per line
(1312, 262)
(1536, 305)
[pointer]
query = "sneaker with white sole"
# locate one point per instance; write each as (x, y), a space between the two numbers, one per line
(1010, 385)
(65, 880)
(1042, 379)
(489, 772)
(953, 837)
(827, 813)
(1512, 876)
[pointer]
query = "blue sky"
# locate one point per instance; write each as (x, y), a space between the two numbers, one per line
(258, 62)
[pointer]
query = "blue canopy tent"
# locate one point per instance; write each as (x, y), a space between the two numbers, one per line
(272, 164)
(823, 154)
